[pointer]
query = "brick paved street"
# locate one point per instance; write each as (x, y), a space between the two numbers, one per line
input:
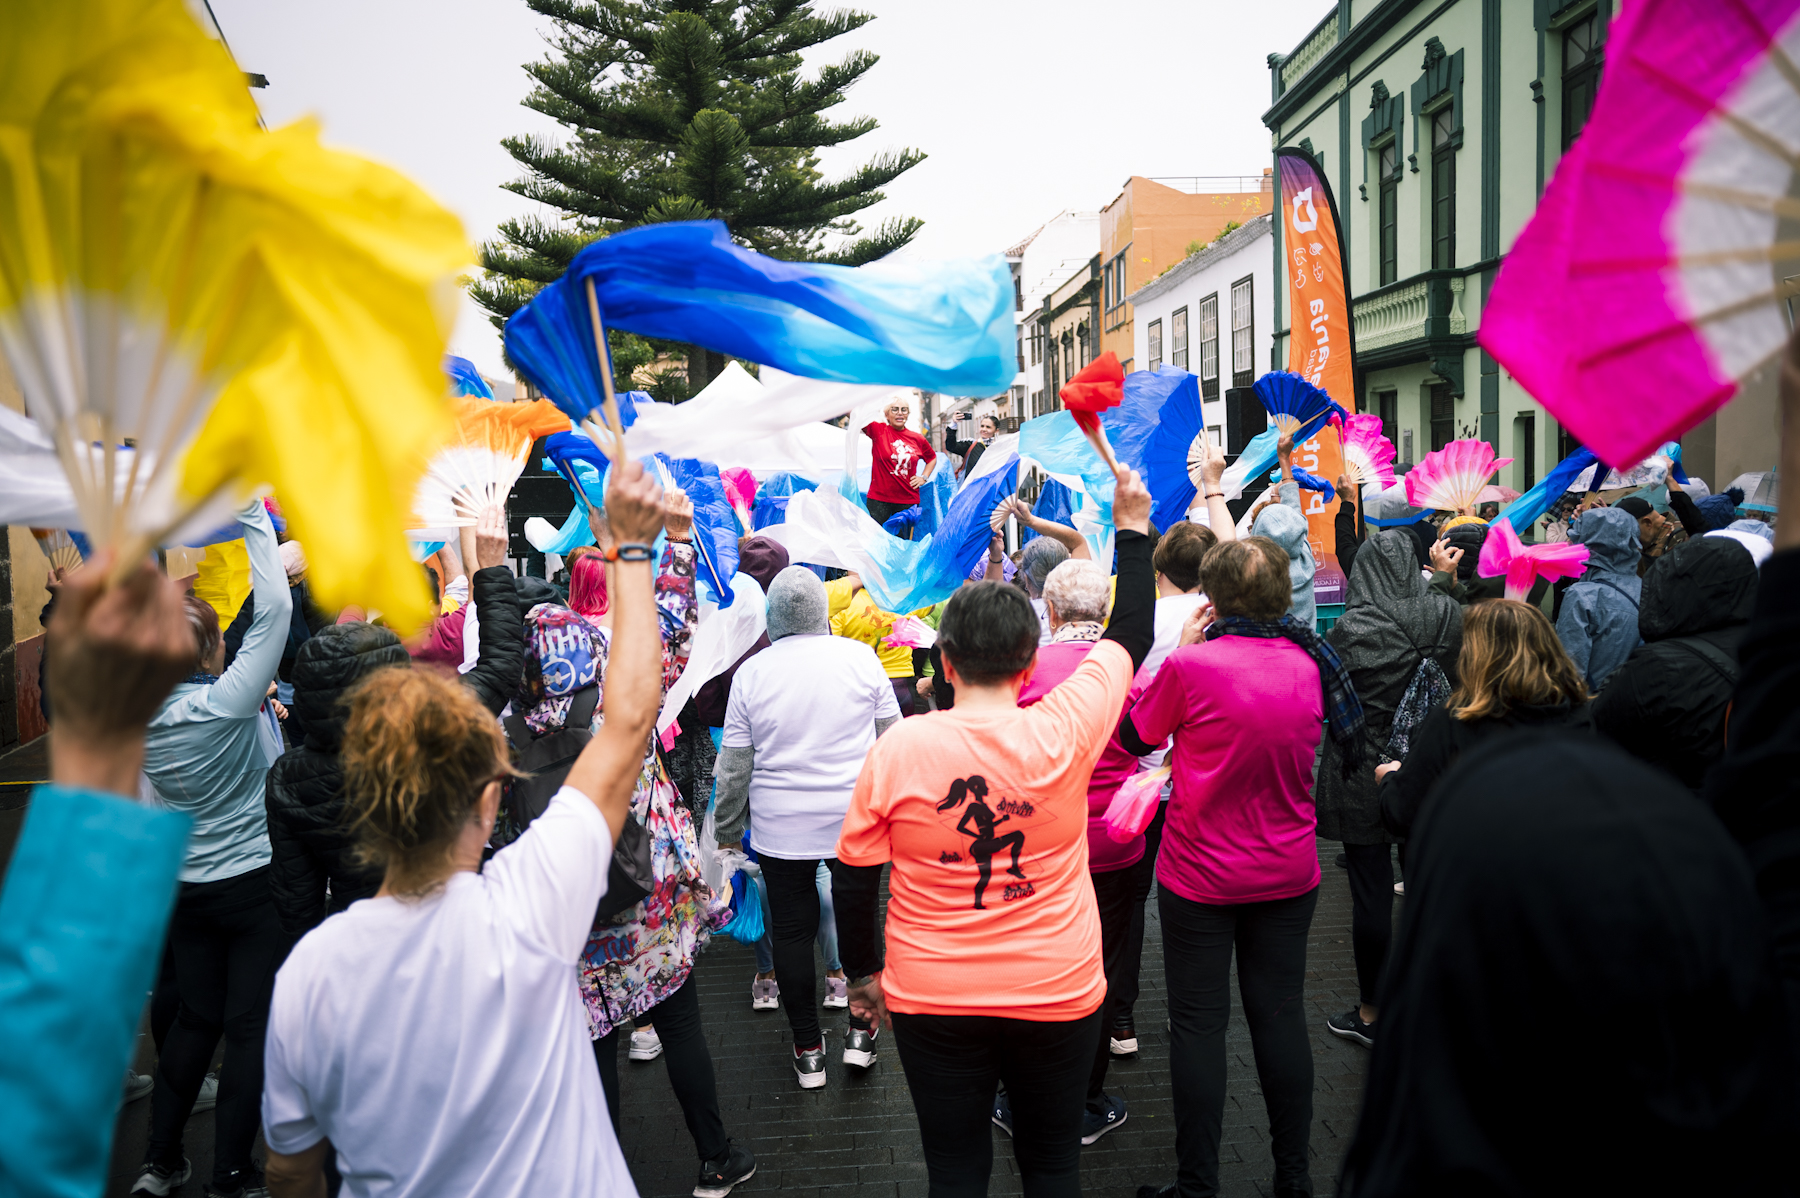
(861, 1132)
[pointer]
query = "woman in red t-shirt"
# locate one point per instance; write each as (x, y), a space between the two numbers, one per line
(901, 464)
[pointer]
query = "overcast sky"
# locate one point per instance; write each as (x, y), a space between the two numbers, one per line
(1025, 108)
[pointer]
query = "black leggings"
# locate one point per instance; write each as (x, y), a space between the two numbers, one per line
(1371, 913)
(1270, 939)
(1113, 892)
(1125, 992)
(883, 511)
(953, 1063)
(227, 942)
(794, 910)
(677, 1020)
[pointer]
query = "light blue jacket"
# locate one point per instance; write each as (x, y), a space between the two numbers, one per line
(1599, 620)
(1285, 524)
(205, 753)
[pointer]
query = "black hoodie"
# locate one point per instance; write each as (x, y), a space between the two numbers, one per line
(1667, 704)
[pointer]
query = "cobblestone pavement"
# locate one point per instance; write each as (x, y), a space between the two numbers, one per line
(861, 1132)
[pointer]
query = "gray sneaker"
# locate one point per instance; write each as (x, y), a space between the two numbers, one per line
(765, 995)
(859, 1047)
(208, 1098)
(138, 1085)
(809, 1067)
(159, 1181)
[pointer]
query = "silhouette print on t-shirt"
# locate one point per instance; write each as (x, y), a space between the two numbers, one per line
(983, 843)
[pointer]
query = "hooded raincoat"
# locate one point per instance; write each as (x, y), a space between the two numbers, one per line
(1391, 622)
(1599, 620)
(1666, 705)
(1287, 527)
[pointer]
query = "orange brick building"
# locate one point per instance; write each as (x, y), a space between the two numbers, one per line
(1149, 227)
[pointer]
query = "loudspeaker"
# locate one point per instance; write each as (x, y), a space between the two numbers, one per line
(1244, 418)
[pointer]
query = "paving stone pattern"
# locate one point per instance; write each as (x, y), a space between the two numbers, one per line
(860, 1130)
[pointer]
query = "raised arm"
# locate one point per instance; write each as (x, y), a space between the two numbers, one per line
(607, 769)
(500, 660)
(240, 692)
(1071, 540)
(1212, 490)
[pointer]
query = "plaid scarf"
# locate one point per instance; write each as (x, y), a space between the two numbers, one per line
(1343, 710)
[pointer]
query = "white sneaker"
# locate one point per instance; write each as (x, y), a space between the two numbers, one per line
(646, 1045)
(160, 1183)
(837, 992)
(208, 1097)
(138, 1085)
(765, 995)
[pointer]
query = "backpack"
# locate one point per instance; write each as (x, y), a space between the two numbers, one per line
(1429, 688)
(547, 760)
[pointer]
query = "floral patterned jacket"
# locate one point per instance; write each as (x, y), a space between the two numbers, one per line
(642, 955)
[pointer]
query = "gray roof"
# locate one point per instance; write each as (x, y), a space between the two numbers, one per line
(1231, 243)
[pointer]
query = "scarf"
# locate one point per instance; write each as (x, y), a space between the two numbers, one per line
(563, 654)
(1078, 630)
(1343, 710)
(201, 678)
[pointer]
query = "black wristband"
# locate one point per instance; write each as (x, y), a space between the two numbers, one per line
(631, 551)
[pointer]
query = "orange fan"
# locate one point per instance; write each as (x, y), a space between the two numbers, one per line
(483, 460)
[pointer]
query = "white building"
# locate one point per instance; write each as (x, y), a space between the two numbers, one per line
(1206, 314)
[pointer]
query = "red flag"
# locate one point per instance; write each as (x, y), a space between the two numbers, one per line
(1096, 387)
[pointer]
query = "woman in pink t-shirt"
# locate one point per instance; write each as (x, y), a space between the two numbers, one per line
(1239, 864)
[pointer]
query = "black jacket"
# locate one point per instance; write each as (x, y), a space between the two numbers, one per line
(969, 451)
(1443, 738)
(1667, 704)
(311, 844)
(314, 871)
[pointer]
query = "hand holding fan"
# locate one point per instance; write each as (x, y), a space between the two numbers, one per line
(487, 453)
(1368, 456)
(59, 547)
(195, 307)
(1502, 553)
(1096, 387)
(1450, 479)
(1295, 406)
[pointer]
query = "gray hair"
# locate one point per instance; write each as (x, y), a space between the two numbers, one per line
(1042, 555)
(1079, 590)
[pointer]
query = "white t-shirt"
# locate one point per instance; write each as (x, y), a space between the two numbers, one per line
(1172, 612)
(1043, 613)
(441, 1044)
(807, 704)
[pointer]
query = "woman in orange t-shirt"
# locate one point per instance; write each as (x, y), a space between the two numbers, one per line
(994, 968)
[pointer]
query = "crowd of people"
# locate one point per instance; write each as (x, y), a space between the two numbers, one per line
(427, 904)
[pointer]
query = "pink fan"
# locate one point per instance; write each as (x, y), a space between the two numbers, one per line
(1522, 564)
(1368, 456)
(910, 632)
(740, 493)
(1658, 270)
(1133, 805)
(1451, 478)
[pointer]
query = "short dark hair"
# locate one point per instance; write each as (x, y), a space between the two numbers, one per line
(203, 621)
(1247, 578)
(989, 632)
(1179, 553)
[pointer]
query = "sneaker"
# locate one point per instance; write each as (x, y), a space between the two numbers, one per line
(138, 1085)
(837, 992)
(859, 1047)
(765, 995)
(1350, 1026)
(246, 1183)
(646, 1045)
(1342, 861)
(208, 1098)
(809, 1067)
(718, 1176)
(1003, 1112)
(1095, 1124)
(157, 1180)
(1123, 1041)
(1156, 1192)
(1400, 889)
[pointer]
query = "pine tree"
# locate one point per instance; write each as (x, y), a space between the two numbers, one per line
(688, 110)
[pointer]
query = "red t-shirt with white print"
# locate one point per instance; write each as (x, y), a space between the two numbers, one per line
(898, 455)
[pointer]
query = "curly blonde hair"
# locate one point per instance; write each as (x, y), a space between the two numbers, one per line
(419, 749)
(1511, 657)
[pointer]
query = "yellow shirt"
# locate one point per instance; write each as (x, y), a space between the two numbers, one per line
(857, 617)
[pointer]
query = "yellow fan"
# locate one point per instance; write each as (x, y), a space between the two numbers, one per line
(196, 307)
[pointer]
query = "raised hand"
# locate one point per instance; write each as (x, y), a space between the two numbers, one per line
(1131, 503)
(490, 537)
(634, 503)
(678, 515)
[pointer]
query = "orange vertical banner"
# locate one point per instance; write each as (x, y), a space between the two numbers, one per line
(1320, 333)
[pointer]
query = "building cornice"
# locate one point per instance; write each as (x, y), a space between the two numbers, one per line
(1361, 37)
(1238, 239)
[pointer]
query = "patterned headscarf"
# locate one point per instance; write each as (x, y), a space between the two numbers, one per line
(563, 654)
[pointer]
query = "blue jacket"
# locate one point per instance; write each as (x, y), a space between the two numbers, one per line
(207, 751)
(1285, 524)
(1599, 620)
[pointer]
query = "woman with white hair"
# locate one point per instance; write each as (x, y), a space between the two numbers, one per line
(1077, 594)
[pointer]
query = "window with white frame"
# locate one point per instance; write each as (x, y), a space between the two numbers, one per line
(1243, 334)
(1209, 342)
(1154, 332)
(1178, 338)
